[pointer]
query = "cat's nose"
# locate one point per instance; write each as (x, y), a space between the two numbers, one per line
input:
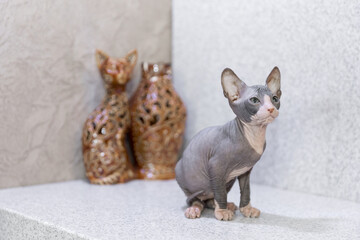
(271, 110)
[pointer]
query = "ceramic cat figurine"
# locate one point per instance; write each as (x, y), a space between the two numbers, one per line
(217, 156)
(105, 156)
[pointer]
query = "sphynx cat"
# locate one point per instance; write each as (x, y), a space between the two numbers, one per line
(217, 156)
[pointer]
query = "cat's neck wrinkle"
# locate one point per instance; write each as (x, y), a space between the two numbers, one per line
(239, 125)
(254, 134)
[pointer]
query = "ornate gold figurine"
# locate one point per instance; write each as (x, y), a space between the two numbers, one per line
(157, 123)
(105, 157)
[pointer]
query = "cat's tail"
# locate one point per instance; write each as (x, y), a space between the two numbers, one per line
(193, 197)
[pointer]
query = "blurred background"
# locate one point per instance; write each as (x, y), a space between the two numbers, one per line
(49, 81)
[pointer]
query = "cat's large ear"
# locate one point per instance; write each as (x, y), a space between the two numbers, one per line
(231, 84)
(100, 57)
(131, 58)
(273, 82)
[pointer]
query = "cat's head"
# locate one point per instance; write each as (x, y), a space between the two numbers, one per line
(255, 105)
(116, 71)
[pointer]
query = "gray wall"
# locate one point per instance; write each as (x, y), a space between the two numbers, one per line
(314, 145)
(49, 82)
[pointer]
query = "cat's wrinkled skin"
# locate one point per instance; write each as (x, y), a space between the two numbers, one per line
(105, 157)
(217, 156)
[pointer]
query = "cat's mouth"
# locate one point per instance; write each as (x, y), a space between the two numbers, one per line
(264, 119)
(268, 119)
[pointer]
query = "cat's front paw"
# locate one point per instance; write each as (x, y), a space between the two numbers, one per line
(249, 211)
(224, 214)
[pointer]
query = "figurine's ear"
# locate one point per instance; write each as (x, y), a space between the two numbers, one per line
(273, 82)
(231, 84)
(131, 58)
(100, 57)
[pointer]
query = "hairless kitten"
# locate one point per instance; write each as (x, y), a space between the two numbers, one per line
(217, 156)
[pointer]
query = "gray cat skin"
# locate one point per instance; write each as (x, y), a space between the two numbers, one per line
(217, 156)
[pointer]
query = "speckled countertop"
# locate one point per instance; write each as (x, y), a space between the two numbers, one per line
(154, 210)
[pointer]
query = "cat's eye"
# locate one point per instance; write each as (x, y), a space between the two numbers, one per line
(275, 98)
(254, 100)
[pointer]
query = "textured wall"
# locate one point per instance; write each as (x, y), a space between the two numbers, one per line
(314, 144)
(49, 82)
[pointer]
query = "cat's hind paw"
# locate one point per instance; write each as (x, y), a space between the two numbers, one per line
(193, 212)
(249, 211)
(231, 206)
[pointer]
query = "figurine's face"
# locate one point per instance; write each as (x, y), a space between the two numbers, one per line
(116, 71)
(256, 105)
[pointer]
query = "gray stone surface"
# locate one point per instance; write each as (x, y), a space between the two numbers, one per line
(154, 210)
(17, 226)
(49, 81)
(313, 146)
